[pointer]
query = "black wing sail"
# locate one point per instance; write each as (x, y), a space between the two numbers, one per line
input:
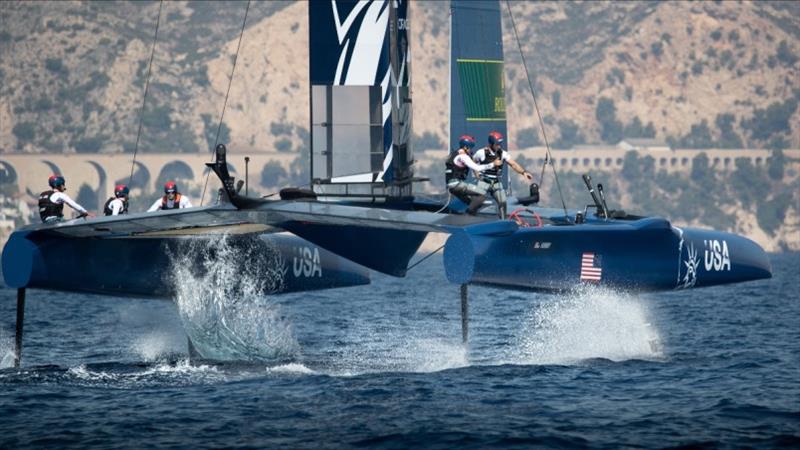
(360, 101)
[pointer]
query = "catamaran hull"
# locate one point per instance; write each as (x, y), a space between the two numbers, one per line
(144, 267)
(645, 255)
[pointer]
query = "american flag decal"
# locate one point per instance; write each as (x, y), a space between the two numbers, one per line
(590, 267)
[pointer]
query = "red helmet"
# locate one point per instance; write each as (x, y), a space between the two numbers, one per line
(55, 181)
(170, 187)
(495, 138)
(121, 190)
(466, 141)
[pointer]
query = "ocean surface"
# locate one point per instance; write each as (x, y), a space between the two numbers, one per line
(383, 366)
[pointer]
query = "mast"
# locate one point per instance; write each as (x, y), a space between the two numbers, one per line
(477, 83)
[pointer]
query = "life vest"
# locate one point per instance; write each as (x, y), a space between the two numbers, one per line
(489, 156)
(452, 170)
(176, 204)
(107, 208)
(47, 208)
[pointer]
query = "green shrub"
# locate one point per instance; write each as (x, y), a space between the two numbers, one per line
(774, 119)
(528, 137)
(24, 131)
(570, 134)
(273, 174)
(283, 145)
(606, 114)
(56, 66)
(91, 144)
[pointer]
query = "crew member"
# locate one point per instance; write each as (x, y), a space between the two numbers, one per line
(457, 166)
(490, 180)
(118, 204)
(172, 199)
(51, 202)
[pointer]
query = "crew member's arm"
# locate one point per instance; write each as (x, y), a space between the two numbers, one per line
(467, 161)
(515, 165)
(65, 199)
(156, 206)
(478, 159)
(185, 203)
(116, 207)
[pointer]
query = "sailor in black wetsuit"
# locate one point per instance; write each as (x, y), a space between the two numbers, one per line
(457, 167)
(51, 203)
(118, 204)
(491, 179)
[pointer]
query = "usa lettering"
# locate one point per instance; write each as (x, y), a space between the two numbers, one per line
(306, 262)
(716, 255)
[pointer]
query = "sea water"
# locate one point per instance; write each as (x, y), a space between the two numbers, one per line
(383, 366)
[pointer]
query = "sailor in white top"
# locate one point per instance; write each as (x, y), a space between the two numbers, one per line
(118, 204)
(51, 203)
(457, 168)
(491, 178)
(172, 199)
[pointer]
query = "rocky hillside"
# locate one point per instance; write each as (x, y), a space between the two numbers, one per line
(700, 74)
(715, 74)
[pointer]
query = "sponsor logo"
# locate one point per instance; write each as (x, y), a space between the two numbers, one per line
(541, 245)
(716, 255)
(306, 262)
(692, 262)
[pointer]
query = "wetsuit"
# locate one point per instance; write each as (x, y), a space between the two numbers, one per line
(491, 178)
(457, 168)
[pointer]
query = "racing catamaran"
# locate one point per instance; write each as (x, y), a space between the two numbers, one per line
(360, 212)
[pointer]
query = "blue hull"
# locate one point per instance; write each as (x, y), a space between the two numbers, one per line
(643, 255)
(140, 266)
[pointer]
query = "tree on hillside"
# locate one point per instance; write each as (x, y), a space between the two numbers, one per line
(699, 136)
(776, 164)
(210, 130)
(728, 137)
(428, 141)
(528, 137)
(570, 135)
(24, 131)
(773, 120)
(636, 129)
(606, 114)
(273, 174)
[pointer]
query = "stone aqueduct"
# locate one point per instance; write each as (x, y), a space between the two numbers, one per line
(29, 172)
(102, 171)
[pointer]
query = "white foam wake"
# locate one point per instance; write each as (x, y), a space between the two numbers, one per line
(6, 352)
(221, 287)
(590, 323)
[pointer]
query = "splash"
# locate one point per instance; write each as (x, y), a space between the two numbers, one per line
(221, 288)
(180, 373)
(6, 352)
(157, 346)
(590, 323)
(413, 351)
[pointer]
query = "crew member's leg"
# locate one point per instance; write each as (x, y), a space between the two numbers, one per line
(499, 195)
(460, 190)
(478, 195)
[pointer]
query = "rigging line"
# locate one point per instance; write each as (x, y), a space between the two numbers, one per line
(424, 258)
(146, 88)
(549, 156)
(225, 104)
